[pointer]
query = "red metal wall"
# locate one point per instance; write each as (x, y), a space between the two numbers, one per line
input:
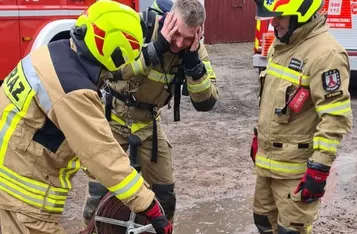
(229, 21)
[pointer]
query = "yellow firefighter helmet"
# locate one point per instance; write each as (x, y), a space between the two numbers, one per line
(109, 33)
(303, 9)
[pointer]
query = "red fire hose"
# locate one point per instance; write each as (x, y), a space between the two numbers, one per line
(111, 207)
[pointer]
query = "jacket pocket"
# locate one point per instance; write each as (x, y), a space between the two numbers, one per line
(21, 138)
(291, 148)
(261, 82)
(295, 197)
(281, 97)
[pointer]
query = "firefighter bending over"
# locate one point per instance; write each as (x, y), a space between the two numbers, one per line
(52, 119)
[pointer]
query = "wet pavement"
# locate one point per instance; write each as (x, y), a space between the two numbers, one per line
(231, 215)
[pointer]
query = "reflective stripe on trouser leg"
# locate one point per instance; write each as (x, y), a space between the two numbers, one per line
(166, 195)
(96, 192)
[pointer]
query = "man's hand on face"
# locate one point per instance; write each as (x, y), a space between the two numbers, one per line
(169, 28)
(162, 44)
(196, 42)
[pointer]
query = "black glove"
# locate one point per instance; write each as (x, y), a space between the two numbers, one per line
(193, 66)
(191, 59)
(157, 219)
(161, 45)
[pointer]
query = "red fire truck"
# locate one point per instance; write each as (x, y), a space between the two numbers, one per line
(29, 24)
(342, 19)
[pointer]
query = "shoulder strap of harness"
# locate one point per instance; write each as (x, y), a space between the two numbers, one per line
(149, 17)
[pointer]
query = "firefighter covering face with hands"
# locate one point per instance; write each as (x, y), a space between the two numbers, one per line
(52, 119)
(172, 55)
(304, 113)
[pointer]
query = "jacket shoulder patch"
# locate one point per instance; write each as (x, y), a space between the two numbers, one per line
(296, 64)
(331, 80)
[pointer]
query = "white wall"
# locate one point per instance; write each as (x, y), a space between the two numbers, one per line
(143, 4)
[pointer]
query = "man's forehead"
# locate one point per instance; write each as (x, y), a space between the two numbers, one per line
(183, 29)
(186, 31)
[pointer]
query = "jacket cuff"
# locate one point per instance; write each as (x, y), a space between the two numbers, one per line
(325, 159)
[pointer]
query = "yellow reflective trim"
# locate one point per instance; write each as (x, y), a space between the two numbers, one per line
(210, 72)
(273, 165)
(258, 25)
(14, 122)
(337, 108)
(8, 175)
(16, 87)
(160, 77)
(129, 186)
(57, 197)
(326, 144)
(208, 65)
(137, 67)
(32, 185)
(287, 74)
(30, 191)
(30, 198)
(64, 173)
(4, 125)
(59, 190)
(117, 119)
(256, 43)
(196, 88)
(309, 228)
(136, 126)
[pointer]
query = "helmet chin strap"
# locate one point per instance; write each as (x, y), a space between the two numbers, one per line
(293, 25)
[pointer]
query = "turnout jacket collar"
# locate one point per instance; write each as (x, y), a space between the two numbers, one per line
(305, 32)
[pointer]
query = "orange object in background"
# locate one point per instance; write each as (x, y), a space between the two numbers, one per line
(267, 40)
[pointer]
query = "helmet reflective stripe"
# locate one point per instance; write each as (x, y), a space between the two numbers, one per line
(303, 9)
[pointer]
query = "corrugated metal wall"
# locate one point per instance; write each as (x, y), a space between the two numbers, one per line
(229, 21)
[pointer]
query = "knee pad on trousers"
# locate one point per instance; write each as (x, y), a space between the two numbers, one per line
(285, 230)
(263, 224)
(167, 198)
(96, 192)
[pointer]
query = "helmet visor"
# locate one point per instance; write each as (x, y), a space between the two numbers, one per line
(264, 14)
